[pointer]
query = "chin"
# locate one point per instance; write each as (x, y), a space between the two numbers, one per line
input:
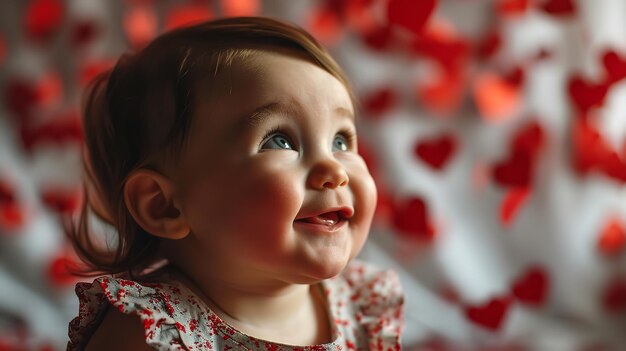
(326, 269)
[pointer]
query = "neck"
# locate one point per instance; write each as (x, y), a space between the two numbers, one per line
(280, 312)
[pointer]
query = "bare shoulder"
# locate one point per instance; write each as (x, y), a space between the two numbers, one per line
(118, 331)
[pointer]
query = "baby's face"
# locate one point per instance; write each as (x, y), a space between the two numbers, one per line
(271, 184)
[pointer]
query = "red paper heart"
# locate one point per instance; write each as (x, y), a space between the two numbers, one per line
(380, 101)
(59, 271)
(7, 196)
(235, 8)
(43, 18)
(410, 14)
(613, 298)
(379, 38)
(512, 203)
(3, 49)
(442, 43)
(612, 237)
(326, 25)
(140, 25)
(436, 152)
(559, 7)
(529, 139)
(516, 171)
(20, 96)
(614, 166)
(489, 44)
(532, 287)
(83, 32)
(490, 315)
(93, 68)
(444, 94)
(59, 130)
(410, 219)
(614, 65)
(62, 201)
(589, 147)
(183, 15)
(360, 15)
(12, 217)
(496, 98)
(592, 152)
(49, 89)
(512, 8)
(586, 95)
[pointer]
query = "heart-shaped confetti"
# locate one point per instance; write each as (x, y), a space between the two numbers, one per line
(59, 271)
(559, 7)
(411, 219)
(515, 171)
(379, 38)
(496, 98)
(184, 15)
(443, 94)
(614, 166)
(591, 152)
(93, 68)
(511, 8)
(49, 89)
(326, 25)
(532, 287)
(64, 202)
(437, 151)
(140, 25)
(359, 15)
(612, 238)
(235, 8)
(491, 314)
(3, 49)
(20, 97)
(410, 14)
(59, 130)
(83, 32)
(489, 44)
(514, 200)
(530, 139)
(589, 147)
(43, 18)
(442, 43)
(614, 65)
(613, 298)
(586, 95)
(380, 101)
(11, 215)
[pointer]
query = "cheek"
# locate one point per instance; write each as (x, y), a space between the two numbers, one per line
(253, 203)
(365, 198)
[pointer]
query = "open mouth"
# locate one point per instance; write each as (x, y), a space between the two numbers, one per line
(329, 221)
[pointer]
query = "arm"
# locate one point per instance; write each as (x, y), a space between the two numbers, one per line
(118, 331)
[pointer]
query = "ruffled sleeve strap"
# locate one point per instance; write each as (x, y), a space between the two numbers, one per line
(153, 303)
(380, 305)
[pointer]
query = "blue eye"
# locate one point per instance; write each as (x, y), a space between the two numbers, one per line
(340, 143)
(277, 141)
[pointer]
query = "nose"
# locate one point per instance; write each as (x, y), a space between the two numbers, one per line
(327, 174)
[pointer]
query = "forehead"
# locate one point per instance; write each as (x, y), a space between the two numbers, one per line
(268, 77)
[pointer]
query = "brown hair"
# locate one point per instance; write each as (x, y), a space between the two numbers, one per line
(139, 113)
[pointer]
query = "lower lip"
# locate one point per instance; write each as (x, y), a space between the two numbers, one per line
(322, 227)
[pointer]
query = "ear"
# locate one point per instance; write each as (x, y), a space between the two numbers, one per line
(149, 198)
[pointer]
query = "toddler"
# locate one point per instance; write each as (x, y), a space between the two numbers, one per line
(225, 156)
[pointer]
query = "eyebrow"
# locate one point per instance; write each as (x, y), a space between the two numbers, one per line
(289, 108)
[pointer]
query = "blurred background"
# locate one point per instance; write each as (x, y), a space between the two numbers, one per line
(495, 129)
